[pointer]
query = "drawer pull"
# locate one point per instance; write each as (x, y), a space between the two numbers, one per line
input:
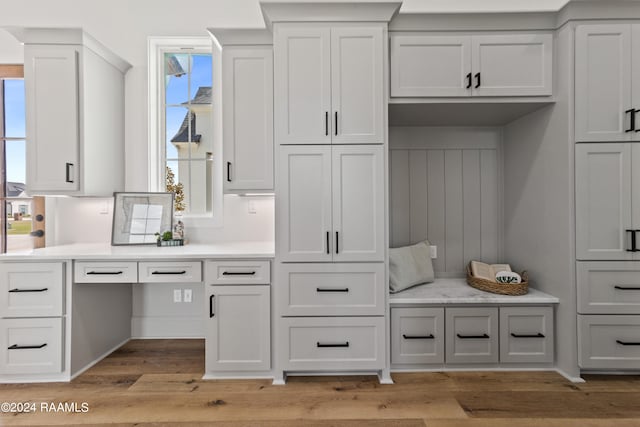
(418, 337)
(627, 343)
(16, 290)
(471, 337)
(238, 273)
(538, 335)
(104, 273)
(25, 347)
(332, 289)
(327, 345)
(170, 272)
(627, 288)
(211, 312)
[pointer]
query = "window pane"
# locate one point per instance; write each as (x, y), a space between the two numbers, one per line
(19, 225)
(200, 187)
(176, 178)
(176, 72)
(201, 78)
(16, 168)
(179, 132)
(202, 132)
(14, 108)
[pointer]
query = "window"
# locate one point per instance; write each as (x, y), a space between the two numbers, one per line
(183, 150)
(16, 207)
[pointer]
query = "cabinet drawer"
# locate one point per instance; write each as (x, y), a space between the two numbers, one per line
(238, 273)
(348, 343)
(609, 342)
(608, 287)
(170, 272)
(31, 289)
(417, 335)
(526, 334)
(31, 346)
(331, 289)
(472, 335)
(105, 272)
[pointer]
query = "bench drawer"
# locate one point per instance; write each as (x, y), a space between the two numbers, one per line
(238, 273)
(332, 289)
(333, 343)
(105, 272)
(609, 342)
(31, 346)
(170, 272)
(608, 287)
(472, 335)
(526, 334)
(417, 335)
(31, 289)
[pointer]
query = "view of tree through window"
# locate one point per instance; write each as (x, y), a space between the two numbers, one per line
(188, 147)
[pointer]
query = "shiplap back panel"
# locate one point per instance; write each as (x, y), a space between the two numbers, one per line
(444, 185)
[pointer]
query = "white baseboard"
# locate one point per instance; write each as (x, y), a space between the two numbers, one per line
(570, 377)
(167, 327)
(102, 356)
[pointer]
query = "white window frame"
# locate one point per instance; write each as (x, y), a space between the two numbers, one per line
(157, 47)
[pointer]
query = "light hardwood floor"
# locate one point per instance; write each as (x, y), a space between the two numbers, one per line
(158, 383)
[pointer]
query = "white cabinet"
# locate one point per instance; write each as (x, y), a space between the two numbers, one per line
(608, 287)
(477, 65)
(471, 335)
(526, 335)
(607, 210)
(607, 56)
(329, 83)
(74, 115)
(238, 336)
(31, 289)
(247, 111)
(417, 335)
(609, 342)
(331, 203)
(31, 346)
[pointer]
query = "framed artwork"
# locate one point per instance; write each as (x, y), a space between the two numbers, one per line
(137, 217)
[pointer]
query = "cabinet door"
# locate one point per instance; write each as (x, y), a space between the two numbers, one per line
(302, 85)
(602, 82)
(357, 84)
(238, 328)
(430, 65)
(603, 201)
(248, 118)
(471, 335)
(512, 65)
(52, 118)
(358, 203)
(417, 335)
(33, 289)
(303, 227)
(526, 335)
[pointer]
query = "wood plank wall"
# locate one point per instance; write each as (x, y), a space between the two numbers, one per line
(445, 187)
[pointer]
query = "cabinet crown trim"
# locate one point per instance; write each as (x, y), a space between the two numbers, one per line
(329, 12)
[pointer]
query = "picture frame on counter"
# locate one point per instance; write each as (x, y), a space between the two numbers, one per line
(137, 217)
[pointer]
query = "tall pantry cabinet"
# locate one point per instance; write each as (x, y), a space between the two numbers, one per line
(330, 114)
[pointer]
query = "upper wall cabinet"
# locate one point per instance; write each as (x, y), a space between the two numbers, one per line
(329, 81)
(479, 65)
(247, 109)
(606, 100)
(74, 114)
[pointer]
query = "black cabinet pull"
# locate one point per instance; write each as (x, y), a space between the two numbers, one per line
(170, 272)
(211, 313)
(627, 288)
(328, 252)
(336, 123)
(228, 171)
(627, 343)
(633, 241)
(477, 81)
(25, 347)
(337, 238)
(17, 290)
(327, 345)
(332, 289)
(418, 337)
(68, 172)
(469, 81)
(103, 273)
(326, 123)
(471, 337)
(632, 119)
(238, 273)
(538, 335)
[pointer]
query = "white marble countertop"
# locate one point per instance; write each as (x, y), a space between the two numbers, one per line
(107, 252)
(456, 291)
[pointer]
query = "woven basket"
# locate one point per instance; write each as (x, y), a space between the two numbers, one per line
(498, 288)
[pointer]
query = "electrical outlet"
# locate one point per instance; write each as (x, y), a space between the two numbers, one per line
(177, 295)
(188, 295)
(433, 252)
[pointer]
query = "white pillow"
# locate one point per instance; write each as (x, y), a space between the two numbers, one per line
(410, 266)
